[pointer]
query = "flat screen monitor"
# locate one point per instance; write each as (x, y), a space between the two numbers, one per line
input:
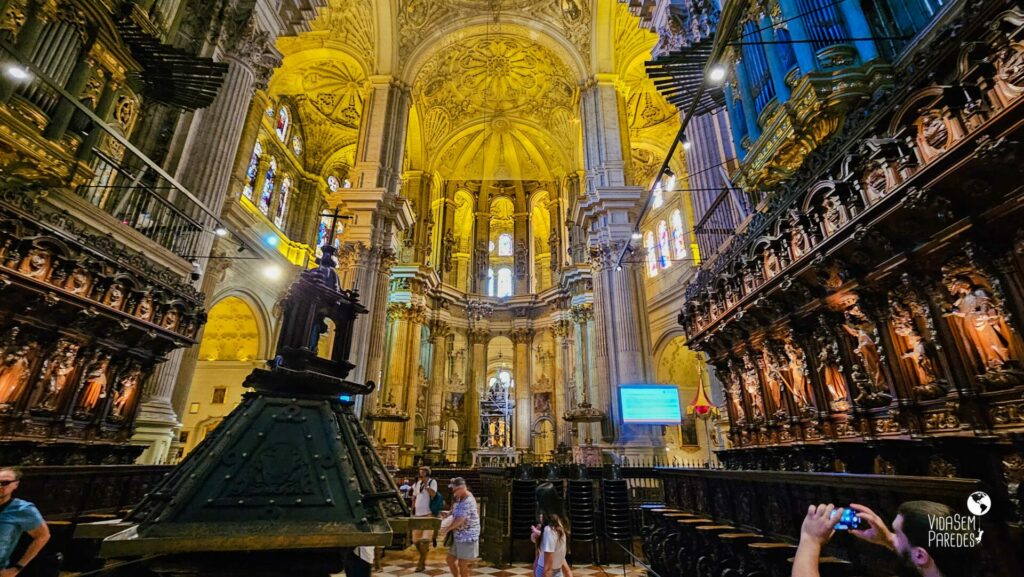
(650, 404)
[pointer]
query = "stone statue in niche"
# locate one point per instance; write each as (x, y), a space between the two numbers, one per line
(144, 310)
(522, 259)
(912, 349)
(798, 383)
(79, 282)
(37, 264)
(115, 296)
(752, 385)
(124, 391)
(15, 370)
(833, 214)
(861, 329)
(447, 250)
(985, 332)
(481, 259)
(832, 375)
(56, 373)
(94, 385)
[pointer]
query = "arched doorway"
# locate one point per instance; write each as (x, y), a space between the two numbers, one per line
(544, 440)
(231, 346)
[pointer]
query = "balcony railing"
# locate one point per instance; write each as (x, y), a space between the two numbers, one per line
(718, 225)
(107, 170)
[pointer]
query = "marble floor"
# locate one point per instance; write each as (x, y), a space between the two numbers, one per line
(403, 563)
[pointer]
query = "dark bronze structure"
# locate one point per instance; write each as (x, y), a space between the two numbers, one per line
(289, 471)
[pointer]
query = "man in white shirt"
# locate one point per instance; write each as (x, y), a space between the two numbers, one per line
(423, 491)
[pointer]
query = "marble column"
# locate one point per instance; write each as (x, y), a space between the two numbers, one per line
(206, 171)
(521, 341)
(560, 379)
(478, 338)
(523, 251)
(439, 341)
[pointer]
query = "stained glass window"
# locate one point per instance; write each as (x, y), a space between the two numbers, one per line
(505, 244)
(678, 240)
(268, 187)
(332, 183)
(504, 283)
(663, 249)
(297, 145)
(659, 198)
(251, 170)
(284, 121)
(652, 256)
(282, 202)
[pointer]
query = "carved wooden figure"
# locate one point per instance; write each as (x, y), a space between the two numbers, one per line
(15, 370)
(94, 385)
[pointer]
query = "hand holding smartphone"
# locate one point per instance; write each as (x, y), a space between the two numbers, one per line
(849, 520)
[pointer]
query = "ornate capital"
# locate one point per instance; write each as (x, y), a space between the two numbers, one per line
(251, 47)
(478, 335)
(439, 331)
(521, 336)
(561, 329)
(409, 312)
(582, 313)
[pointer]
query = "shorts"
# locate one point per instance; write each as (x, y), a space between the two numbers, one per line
(422, 534)
(467, 551)
(539, 571)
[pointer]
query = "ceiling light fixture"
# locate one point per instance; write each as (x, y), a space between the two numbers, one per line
(717, 73)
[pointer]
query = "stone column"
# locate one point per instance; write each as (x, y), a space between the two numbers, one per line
(478, 270)
(206, 171)
(381, 144)
(478, 338)
(439, 340)
(560, 379)
(521, 341)
(523, 252)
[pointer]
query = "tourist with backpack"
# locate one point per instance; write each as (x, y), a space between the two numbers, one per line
(427, 502)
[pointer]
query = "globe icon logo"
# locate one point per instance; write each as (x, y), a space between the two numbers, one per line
(979, 503)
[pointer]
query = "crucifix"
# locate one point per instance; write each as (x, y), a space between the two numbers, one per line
(335, 217)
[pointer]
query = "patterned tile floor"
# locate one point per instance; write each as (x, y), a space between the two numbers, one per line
(403, 564)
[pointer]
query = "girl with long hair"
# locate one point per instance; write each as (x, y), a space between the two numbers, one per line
(552, 535)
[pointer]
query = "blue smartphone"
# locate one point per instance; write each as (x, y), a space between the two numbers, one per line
(849, 520)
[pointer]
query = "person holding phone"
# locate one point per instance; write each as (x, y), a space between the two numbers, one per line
(908, 538)
(552, 534)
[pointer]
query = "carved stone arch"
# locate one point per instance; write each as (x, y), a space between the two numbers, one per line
(538, 30)
(267, 335)
(663, 341)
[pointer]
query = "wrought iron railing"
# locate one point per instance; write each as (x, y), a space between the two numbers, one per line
(717, 226)
(112, 174)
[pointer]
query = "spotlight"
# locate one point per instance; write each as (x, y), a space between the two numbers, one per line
(16, 72)
(272, 272)
(271, 240)
(618, 267)
(716, 74)
(197, 270)
(220, 231)
(686, 144)
(637, 236)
